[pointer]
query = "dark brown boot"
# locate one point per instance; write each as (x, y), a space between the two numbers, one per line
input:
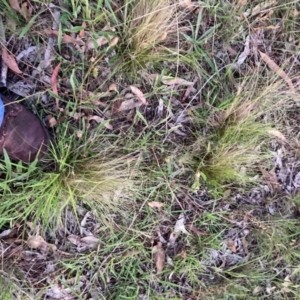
(22, 134)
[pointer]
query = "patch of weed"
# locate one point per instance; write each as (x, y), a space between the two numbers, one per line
(78, 168)
(237, 137)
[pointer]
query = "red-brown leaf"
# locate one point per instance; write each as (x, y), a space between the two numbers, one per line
(52, 121)
(139, 94)
(159, 257)
(10, 61)
(54, 79)
(66, 38)
(231, 245)
(15, 5)
(276, 69)
(54, 82)
(196, 231)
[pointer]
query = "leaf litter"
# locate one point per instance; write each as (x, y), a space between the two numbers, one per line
(10, 61)
(174, 236)
(159, 257)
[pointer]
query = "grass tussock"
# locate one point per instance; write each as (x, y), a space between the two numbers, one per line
(152, 22)
(102, 180)
(148, 28)
(239, 133)
(104, 183)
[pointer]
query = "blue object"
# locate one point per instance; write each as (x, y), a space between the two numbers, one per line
(2, 110)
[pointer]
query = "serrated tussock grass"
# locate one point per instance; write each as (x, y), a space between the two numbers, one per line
(97, 174)
(148, 31)
(238, 134)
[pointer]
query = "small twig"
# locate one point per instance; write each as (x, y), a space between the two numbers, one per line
(4, 66)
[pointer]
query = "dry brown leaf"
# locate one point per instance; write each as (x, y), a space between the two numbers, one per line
(183, 253)
(79, 133)
(231, 51)
(276, 69)
(81, 32)
(187, 4)
(54, 79)
(54, 83)
(10, 61)
(116, 106)
(245, 245)
(100, 120)
(131, 253)
(195, 230)
(91, 241)
(175, 81)
(98, 103)
(277, 134)
(172, 239)
(155, 204)
(114, 41)
(128, 104)
(65, 38)
(139, 94)
(70, 40)
(188, 90)
(58, 291)
(164, 36)
(15, 5)
(101, 41)
(148, 76)
(231, 245)
(74, 239)
(159, 257)
(128, 96)
(77, 115)
(270, 177)
(259, 8)
(113, 87)
(96, 118)
(266, 28)
(26, 11)
(52, 121)
(37, 242)
(242, 3)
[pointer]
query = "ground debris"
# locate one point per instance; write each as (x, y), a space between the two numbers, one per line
(175, 239)
(159, 257)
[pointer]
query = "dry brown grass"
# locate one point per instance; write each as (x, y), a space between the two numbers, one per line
(149, 34)
(104, 184)
(152, 23)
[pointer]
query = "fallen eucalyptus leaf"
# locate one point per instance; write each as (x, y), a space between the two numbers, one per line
(276, 69)
(10, 61)
(65, 38)
(155, 204)
(15, 5)
(139, 94)
(159, 257)
(175, 81)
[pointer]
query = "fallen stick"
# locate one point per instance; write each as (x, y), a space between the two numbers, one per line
(4, 67)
